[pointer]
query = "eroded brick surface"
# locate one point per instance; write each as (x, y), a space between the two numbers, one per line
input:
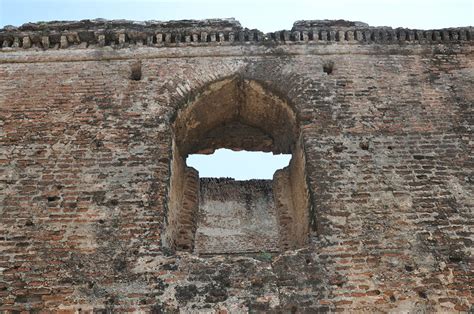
(236, 217)
(85, 166)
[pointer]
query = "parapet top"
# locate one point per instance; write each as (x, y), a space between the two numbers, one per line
(103, 24)
(337, 24)
(123, 33)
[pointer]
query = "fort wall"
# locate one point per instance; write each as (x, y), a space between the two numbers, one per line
(385, 119)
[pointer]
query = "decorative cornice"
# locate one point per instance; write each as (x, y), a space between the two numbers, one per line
(121, 34)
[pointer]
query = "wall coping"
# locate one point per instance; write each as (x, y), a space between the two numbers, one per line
(124, 34)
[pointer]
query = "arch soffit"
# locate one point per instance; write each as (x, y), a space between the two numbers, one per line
(236, 113)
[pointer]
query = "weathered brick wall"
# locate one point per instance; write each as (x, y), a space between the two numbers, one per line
(85, 167)
(236, 217)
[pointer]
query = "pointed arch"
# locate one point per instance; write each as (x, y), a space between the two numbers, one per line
(237, 114)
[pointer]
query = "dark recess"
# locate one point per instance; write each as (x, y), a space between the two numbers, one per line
(328, 67)
(136, 70)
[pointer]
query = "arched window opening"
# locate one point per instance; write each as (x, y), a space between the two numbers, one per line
(218, 215)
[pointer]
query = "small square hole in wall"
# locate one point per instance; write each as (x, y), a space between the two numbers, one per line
(328, 67)
(136, 71)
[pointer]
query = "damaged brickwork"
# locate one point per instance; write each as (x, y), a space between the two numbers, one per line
(237, 114)
(88, 132)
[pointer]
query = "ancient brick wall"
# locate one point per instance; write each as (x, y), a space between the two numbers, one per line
(236, 217)
(86, 150)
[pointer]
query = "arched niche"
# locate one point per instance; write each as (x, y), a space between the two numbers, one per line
(240, 115)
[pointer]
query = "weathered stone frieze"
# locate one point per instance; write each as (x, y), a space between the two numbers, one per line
(123, 34)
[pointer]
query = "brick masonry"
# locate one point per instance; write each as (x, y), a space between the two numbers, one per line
(85, 167)
(236, 217)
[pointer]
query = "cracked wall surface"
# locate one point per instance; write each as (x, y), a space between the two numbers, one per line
(86, 155)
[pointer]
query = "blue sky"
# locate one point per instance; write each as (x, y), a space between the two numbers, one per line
(266, 15)
(241, 165)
